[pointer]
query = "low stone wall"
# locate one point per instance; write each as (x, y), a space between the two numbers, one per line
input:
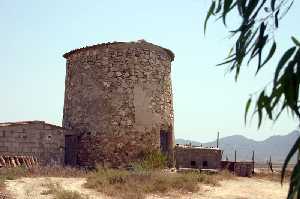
(17, 161)
(33, 138)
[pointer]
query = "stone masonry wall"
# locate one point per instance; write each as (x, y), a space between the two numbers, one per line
(118, 96)
(38, 139)
(185, 155)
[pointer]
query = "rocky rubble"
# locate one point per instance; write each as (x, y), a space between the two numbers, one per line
(4, 196)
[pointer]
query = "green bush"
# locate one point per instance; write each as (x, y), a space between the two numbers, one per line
(151, 161)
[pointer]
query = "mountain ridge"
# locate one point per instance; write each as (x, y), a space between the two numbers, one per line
(276, 146)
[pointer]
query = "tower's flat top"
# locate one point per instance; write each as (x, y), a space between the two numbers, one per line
(140, 42)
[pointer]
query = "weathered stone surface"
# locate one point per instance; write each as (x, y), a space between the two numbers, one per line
(118, 98)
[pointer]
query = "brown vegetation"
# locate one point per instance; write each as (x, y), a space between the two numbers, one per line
(143, 178)
(59, 193)
(137, 184)
(266, 174)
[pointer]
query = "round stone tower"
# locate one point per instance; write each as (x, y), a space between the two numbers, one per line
(118, 99)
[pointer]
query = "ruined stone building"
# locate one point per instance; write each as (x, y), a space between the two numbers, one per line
(117, 107)
(33, 138)
(118, 98)
(187, 156)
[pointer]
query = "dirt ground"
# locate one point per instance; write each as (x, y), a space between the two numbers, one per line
(239, 188)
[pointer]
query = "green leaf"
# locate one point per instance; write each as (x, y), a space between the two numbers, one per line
(209, 13)
(219, 6)
(289, 156)
(261, 46)
(270, 55)
(226, 9)
(259, 104)
(259, 112)
(295, 182)
(273, 5)
(258, 10)
(250, 8)
(247, 109)
(226, 62)
(297, 43)
(286, 56)
(276, 19)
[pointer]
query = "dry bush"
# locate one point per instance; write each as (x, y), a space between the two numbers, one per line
(10, 174)
(136, 184)
(152, 160)
(59, 193)
(224, 175)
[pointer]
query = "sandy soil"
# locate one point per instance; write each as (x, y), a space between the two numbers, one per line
(33, 188)
(239, 188)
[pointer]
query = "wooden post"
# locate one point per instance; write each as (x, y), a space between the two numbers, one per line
(253, 161)
(271, 165)
(234, 155)
(234, 162)
(218, 139)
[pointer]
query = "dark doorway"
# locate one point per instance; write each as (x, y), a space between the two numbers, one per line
(193, 163)
(71, 142)
(164, 141)
(205, 164)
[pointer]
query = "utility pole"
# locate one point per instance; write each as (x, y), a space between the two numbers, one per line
(234, 162)
(235, 156)
(218, 139)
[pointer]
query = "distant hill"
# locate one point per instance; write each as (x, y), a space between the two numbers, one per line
(277, 146)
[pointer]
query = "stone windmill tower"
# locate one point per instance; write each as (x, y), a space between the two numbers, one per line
(118, 98)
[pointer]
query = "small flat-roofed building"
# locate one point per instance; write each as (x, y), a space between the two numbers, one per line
(239, 168)
(187, 156)
(44, 141)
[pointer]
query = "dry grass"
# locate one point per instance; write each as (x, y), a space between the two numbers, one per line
(137, 184)
(10, 174)
(18, 172)
(275, 176)
(59, 193)
(147, 177)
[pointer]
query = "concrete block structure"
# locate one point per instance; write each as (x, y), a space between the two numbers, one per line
(239, 168)
(118, 98)
(38, 139)
(187, 156)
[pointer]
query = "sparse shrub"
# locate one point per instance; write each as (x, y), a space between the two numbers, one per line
(59, 193)
(138, 183)
(151, 160)
(37, 171)
(12, 173)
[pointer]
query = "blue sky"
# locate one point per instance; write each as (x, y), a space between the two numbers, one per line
(35, 34)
